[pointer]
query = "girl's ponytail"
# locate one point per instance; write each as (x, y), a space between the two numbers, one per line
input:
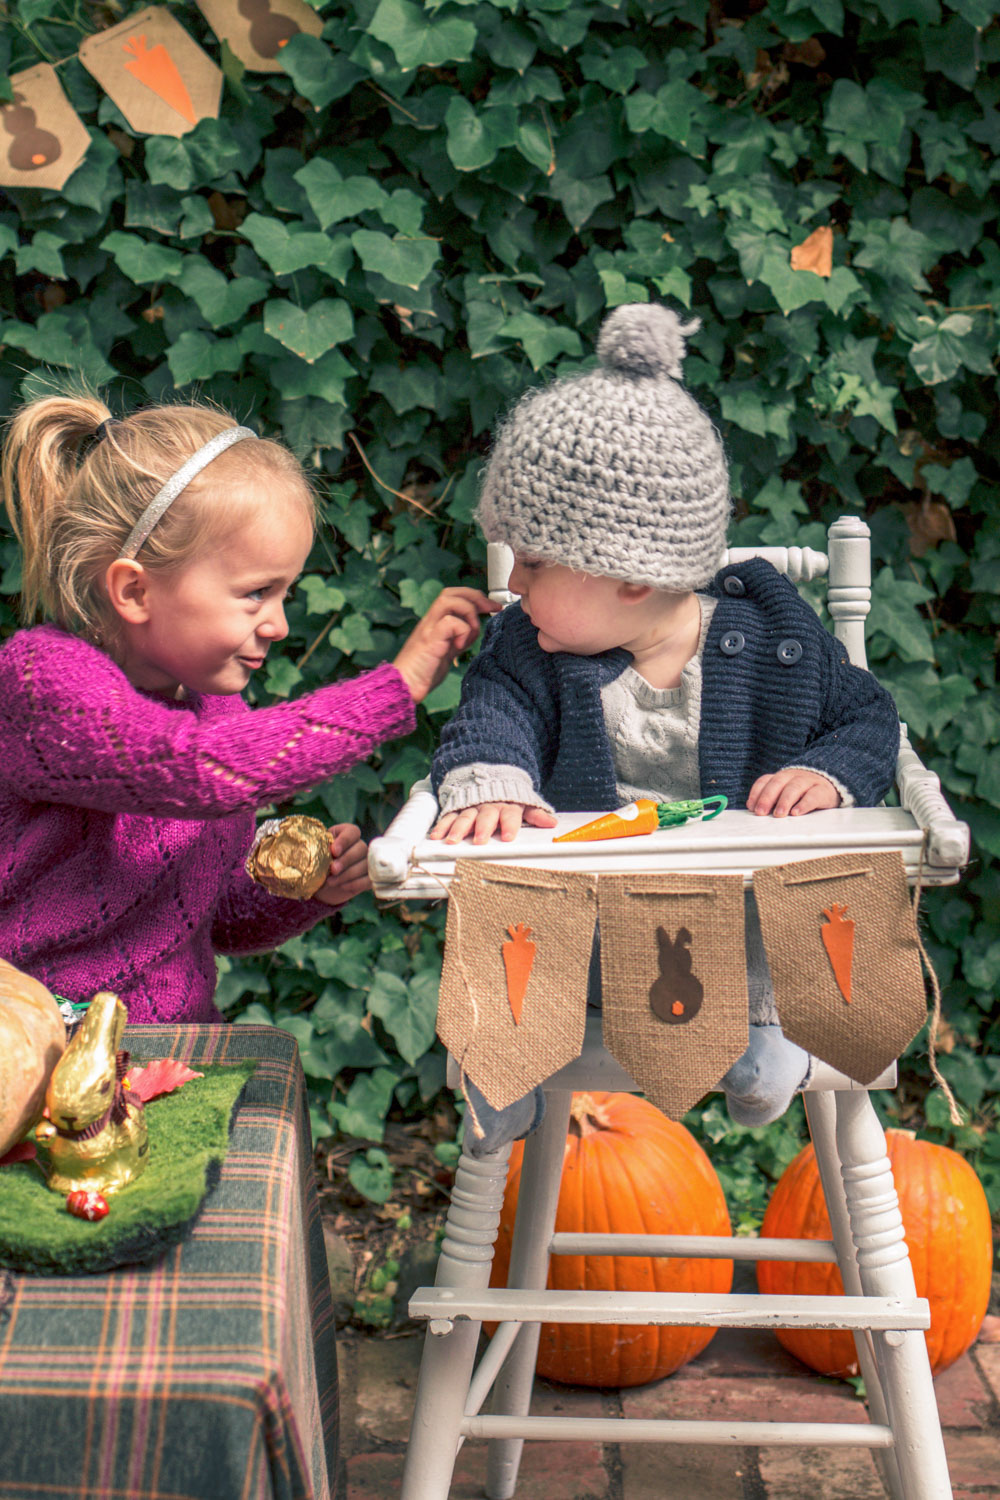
(46, 442)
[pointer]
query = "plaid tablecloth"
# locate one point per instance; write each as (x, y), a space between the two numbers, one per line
(210, 1375)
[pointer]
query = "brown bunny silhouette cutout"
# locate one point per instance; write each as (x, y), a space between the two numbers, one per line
(676, 994)
(269, 30)
(31, 147)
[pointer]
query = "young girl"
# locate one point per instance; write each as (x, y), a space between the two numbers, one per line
(631, 668)
(162, 547)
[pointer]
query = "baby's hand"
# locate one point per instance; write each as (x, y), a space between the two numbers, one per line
(349, 866)
(483, 821)
(451, 624)
(792, 791)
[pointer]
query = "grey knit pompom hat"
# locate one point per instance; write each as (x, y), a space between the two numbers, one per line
(617, 472)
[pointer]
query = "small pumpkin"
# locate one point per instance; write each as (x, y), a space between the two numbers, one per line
(32, 1040)
(627, 1170)
(947, 1223)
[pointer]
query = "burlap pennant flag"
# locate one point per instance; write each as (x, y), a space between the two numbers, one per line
(513, 997)
(258, 30)
(841, 942)
(42, 138)
(673, 979)
(158, 76)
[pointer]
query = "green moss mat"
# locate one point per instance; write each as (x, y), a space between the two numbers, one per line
(188, 1140)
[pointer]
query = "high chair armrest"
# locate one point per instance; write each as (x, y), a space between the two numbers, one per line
(920, 794)
(389, 856)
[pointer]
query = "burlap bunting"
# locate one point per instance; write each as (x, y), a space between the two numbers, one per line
(480, 994)
(673, 975)
(870, 953)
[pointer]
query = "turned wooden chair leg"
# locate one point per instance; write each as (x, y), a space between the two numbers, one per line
(884, 1269)
(821, 1113)
(537, 1201)
(449, 1356)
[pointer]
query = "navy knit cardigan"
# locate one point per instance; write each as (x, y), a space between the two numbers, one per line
(777, 690)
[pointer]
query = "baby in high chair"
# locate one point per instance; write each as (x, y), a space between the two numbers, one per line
(632, 668)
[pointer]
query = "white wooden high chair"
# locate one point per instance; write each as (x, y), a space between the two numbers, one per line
(880, 1305)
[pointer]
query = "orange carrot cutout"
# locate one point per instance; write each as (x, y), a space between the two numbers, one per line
(644, 816)
(838, 940)
(154, 67)
(518, 957)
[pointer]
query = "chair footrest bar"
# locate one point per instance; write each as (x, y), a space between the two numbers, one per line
(657, 1430)
(443, 1305)
(694, 1247)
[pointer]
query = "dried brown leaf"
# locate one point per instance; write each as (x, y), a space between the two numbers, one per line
(815, 253)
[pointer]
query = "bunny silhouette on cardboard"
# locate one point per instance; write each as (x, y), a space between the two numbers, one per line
(269, 30)
(676, 994)
(32, 147)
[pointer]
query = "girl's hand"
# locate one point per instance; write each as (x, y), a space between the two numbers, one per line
(483, 821)
(349, 866)
(449, 626)
(792, 792)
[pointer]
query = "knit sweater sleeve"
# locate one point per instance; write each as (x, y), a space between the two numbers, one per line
(857, 743)
(508, 700)
(249, 919)
(75, 731)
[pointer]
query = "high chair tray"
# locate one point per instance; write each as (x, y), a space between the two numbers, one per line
(406, 864)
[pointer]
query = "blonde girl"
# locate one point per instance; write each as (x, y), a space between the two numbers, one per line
(160, 549)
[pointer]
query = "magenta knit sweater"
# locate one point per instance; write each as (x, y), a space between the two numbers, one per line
(125, 819)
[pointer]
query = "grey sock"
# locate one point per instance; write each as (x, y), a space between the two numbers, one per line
(500, 1126)
(759, 1086)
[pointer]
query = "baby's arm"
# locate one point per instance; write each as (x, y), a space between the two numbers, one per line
(793, 791)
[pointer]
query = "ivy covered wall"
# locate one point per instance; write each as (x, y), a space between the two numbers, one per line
(373, 255)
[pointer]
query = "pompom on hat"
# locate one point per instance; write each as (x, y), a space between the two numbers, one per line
(616, 472)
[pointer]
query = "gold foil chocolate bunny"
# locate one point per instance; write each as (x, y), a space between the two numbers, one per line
(290, 857)
(95, 1136)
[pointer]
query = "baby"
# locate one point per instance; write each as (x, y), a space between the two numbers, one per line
(632, 668)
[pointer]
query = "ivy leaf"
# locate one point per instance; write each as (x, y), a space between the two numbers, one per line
(325, 378)
(221, 300)
(371, 1174)
(475, 138)
(406, 262)
(407, 1009)
(324, 598)
(318, 73)
(894, 615)
(293, 247)
(42, 255)
(667, 113)
(309, 332)
(896, 251)
(63, 338)
(195, 356)
(331, 197)
(951, 345)
(363, 1112)
(541, 339)
(419, 39)
(142, 261)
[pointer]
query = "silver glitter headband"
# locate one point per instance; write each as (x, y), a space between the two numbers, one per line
(167, 494)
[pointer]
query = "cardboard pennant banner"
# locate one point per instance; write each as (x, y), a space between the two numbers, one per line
(841, 942)
(158, 76)
(42, 139)
(673, 979)
(257, 30)
(513, 998)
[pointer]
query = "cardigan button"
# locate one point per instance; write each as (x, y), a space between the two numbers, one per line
(732, 643)
(789, 652)
(734, 586)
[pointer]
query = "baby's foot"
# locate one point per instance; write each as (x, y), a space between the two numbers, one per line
(759, 1086)
(500, 1126)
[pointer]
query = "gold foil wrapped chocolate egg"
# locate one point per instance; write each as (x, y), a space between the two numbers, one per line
(291, 857)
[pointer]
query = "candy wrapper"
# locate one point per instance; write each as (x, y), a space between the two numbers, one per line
(290, 857)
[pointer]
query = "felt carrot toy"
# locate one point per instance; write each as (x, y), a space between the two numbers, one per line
(838, 940)
(518, 957)
(154, 67)
(644, 816)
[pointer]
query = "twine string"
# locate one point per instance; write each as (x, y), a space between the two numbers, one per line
(932, 1032)
(455, 910)
(816, 879)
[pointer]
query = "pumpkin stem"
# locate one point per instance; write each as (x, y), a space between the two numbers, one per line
(586, 1116)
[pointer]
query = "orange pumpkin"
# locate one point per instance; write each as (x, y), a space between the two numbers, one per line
(947, 1223)
(32, 1039)
(627, 1170)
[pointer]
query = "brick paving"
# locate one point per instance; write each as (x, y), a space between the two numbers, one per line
(744, 1373)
